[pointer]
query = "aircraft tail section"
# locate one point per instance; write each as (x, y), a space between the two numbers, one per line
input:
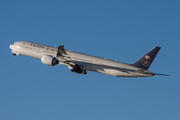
(145, 61)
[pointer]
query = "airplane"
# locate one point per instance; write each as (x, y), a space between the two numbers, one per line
(81, 63)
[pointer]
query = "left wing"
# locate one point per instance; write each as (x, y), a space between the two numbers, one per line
(62, 56)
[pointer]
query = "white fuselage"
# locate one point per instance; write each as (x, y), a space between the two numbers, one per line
(87, 62)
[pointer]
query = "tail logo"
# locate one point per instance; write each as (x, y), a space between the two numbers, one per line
(146, 61)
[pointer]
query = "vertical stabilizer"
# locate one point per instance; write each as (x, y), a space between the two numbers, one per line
(145, 61)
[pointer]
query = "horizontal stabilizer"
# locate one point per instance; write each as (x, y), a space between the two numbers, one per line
(161, 74)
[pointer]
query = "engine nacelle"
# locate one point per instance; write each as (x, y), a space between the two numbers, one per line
(49, 60)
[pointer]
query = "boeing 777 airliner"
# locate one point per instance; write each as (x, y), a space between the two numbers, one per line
(80, 63)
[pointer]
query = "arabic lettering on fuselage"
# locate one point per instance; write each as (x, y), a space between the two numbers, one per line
(44, 47)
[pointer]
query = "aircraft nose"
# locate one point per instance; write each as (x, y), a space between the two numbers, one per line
(11, 46)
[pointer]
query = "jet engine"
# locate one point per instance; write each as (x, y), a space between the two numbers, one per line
(49, 60)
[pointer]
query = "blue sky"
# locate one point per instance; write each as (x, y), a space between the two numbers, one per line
(119, 30)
